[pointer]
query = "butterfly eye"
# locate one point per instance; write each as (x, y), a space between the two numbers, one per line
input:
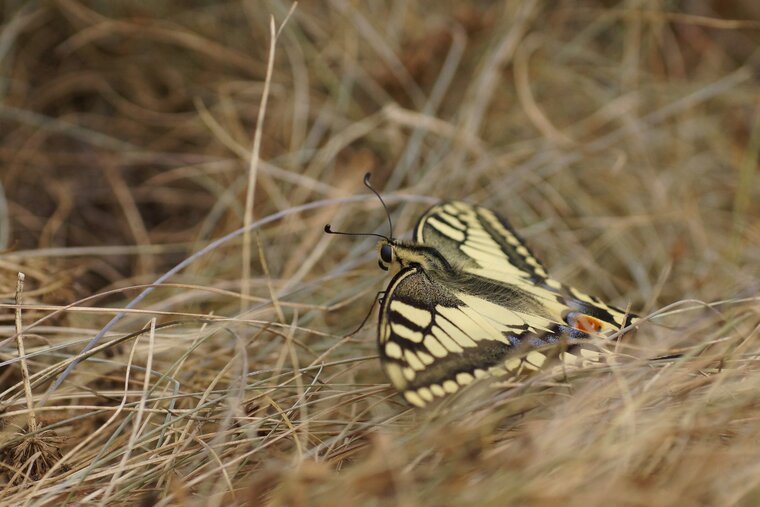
(382, 265)
(386, 254)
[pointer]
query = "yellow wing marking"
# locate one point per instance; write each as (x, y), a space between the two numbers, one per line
(437, 390)
(507, 319)
(446, 229)
(456, 334)
(471, 323)
(434, 346)
(405, 332)
(393, 350)
(450, 386)
(446, 340)
(419, 316)
(452, 221)
(413, 361)
(414, 398)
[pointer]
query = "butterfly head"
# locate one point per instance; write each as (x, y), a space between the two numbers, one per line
(394, 255)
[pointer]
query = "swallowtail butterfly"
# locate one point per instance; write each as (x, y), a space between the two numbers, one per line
(470, 300)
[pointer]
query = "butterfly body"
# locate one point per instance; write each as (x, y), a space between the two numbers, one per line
(470, 300)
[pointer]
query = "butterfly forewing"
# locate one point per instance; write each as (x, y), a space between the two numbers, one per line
(481, 242)
(478, 240)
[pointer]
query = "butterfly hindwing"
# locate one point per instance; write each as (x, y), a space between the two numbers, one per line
(435, 337)
(421, 359)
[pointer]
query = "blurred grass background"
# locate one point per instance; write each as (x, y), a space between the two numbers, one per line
(620, 138)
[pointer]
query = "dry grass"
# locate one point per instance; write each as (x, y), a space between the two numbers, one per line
(621, 139)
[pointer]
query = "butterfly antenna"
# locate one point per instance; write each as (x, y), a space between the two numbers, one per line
(328, 230)
(387, 213)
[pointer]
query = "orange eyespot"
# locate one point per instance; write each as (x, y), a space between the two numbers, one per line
(587, 323)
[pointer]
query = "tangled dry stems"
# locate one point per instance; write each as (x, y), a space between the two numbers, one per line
(622, 142)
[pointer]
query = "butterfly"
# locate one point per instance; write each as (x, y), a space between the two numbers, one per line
(470, 300)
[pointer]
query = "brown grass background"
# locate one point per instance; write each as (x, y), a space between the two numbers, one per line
(620, 138)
